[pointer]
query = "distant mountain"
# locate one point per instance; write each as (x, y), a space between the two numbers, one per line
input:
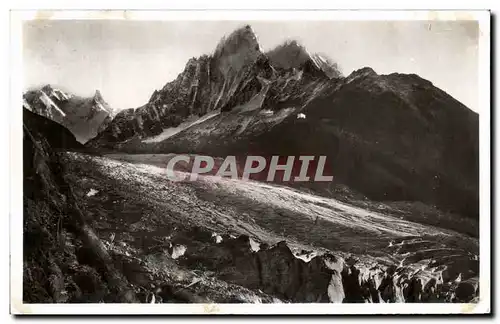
(292, 55)
(82, 116)
(390, 137)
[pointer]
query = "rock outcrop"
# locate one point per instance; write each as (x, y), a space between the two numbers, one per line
(64, 261)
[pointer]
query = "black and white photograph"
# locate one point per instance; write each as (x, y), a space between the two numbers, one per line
(251, 162)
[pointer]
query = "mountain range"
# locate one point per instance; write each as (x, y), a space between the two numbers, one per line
(398, 222)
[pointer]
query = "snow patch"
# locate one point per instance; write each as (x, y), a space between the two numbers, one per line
(335, 290)
(217, 238)
(254, 246)
(401, 263)
(92, 192)
(171, 131)
(178, 251)
(315, 62)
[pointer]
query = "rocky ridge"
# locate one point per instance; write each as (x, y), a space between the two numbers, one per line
(390, 137)
(237, 73)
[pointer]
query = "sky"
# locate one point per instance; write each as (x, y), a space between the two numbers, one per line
(127, 60)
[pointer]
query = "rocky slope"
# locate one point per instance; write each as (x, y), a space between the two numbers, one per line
(238, 72)
(84, 117)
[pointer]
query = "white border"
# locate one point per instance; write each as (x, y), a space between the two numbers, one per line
(249, 15)
(17, 307)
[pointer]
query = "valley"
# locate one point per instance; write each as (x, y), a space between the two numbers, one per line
(149, 214)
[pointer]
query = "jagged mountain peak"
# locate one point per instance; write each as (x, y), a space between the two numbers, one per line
(102, 104)
(237, 50)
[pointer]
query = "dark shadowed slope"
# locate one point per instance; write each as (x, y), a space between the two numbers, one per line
(56, 135)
